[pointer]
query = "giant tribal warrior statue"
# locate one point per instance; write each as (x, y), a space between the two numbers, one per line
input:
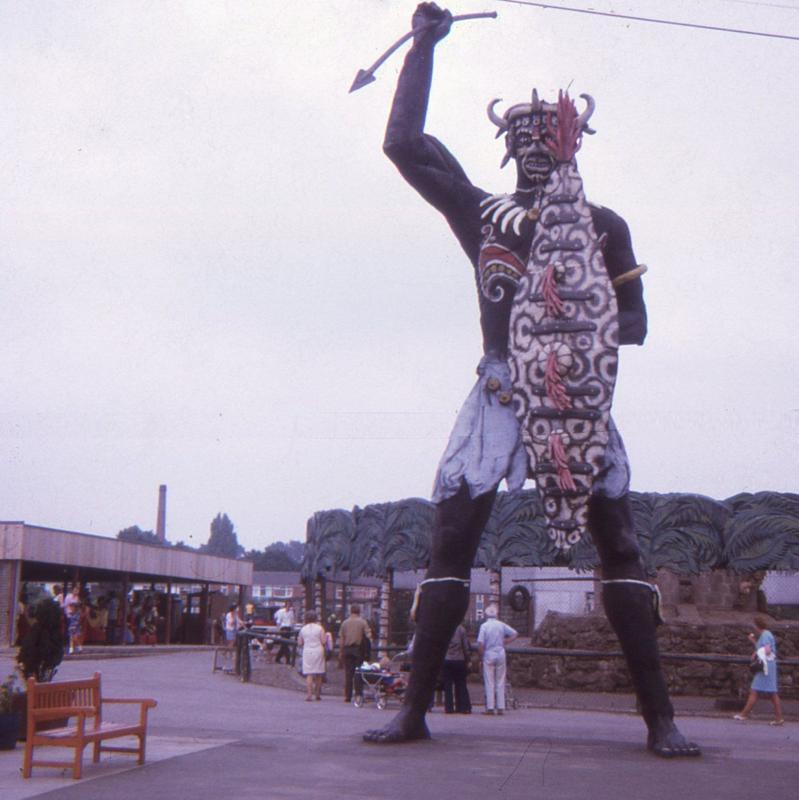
(559, 289)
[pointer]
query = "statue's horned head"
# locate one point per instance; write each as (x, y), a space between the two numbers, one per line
(526, 122)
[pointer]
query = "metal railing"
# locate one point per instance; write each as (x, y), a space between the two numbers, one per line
(240, 653)
(717, 658)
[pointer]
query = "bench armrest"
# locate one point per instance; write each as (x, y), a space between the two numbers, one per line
(149, 702)
(144, 703)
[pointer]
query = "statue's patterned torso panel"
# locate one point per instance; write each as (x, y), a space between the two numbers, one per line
(563, 354)
(543, 267)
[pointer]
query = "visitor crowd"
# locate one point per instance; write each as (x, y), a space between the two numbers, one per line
(101, 619)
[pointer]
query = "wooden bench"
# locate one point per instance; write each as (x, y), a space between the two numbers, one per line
(82, 701)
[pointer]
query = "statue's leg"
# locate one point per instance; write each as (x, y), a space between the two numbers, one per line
(630, 609)
(459, 524)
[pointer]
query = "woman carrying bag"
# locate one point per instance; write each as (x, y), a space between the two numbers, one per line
(764, 667)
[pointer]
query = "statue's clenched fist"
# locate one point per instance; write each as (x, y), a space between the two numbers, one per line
(430, 23)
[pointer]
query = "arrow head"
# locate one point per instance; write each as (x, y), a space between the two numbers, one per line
(363, 78)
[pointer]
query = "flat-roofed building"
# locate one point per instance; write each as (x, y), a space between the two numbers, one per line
(31, 553)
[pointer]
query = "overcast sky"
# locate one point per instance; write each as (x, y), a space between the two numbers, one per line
(211, 277)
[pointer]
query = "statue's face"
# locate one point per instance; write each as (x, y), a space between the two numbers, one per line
(527, 145)
(533, 163)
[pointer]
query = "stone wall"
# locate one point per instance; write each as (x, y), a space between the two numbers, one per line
(717, 589)
(596, 674)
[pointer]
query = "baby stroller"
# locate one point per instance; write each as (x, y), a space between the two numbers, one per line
(378, 683)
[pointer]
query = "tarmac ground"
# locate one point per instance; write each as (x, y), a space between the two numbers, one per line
(213, 736)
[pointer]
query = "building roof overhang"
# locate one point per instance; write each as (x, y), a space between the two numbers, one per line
(52, 552)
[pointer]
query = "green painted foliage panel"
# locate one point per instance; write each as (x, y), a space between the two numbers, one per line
(686, 533)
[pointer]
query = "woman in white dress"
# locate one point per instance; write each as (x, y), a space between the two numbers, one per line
(312, 641)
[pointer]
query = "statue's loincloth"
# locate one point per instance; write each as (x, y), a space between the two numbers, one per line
(485, 446)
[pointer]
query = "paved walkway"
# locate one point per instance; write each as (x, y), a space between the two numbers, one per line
(213, 736)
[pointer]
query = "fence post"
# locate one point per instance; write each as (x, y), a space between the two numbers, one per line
(319, 588)
(384, 614)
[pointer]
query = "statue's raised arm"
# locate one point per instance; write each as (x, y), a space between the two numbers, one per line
(421, 159)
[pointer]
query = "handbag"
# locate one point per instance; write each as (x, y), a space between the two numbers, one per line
(755, 666)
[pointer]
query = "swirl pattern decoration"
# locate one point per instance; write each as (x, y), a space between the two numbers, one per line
(564, 344)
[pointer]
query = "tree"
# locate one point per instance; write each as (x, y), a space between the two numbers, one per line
(277, 557)
(295, 549)
(42, 648)
(223, 540)
(136, 535)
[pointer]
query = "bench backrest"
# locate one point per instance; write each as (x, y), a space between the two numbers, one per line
(65, 694)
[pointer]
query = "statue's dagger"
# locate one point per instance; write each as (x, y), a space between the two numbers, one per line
(366, 76)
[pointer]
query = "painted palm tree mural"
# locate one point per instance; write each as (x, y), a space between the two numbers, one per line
(680, 532)
(762, 532)
(328, 549)
(685, 533)
(516, 533)
(391, 536)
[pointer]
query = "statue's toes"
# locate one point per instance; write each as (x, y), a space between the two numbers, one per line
(393, 734)
(384, 736)
(690, 749)
(676, 749)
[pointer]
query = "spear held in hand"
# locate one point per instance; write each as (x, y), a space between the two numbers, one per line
(366, 76)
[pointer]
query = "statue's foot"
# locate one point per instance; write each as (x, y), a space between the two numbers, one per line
(403, 728)
(667, 742)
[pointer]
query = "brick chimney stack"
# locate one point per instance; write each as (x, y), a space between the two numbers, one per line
(160, 525)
